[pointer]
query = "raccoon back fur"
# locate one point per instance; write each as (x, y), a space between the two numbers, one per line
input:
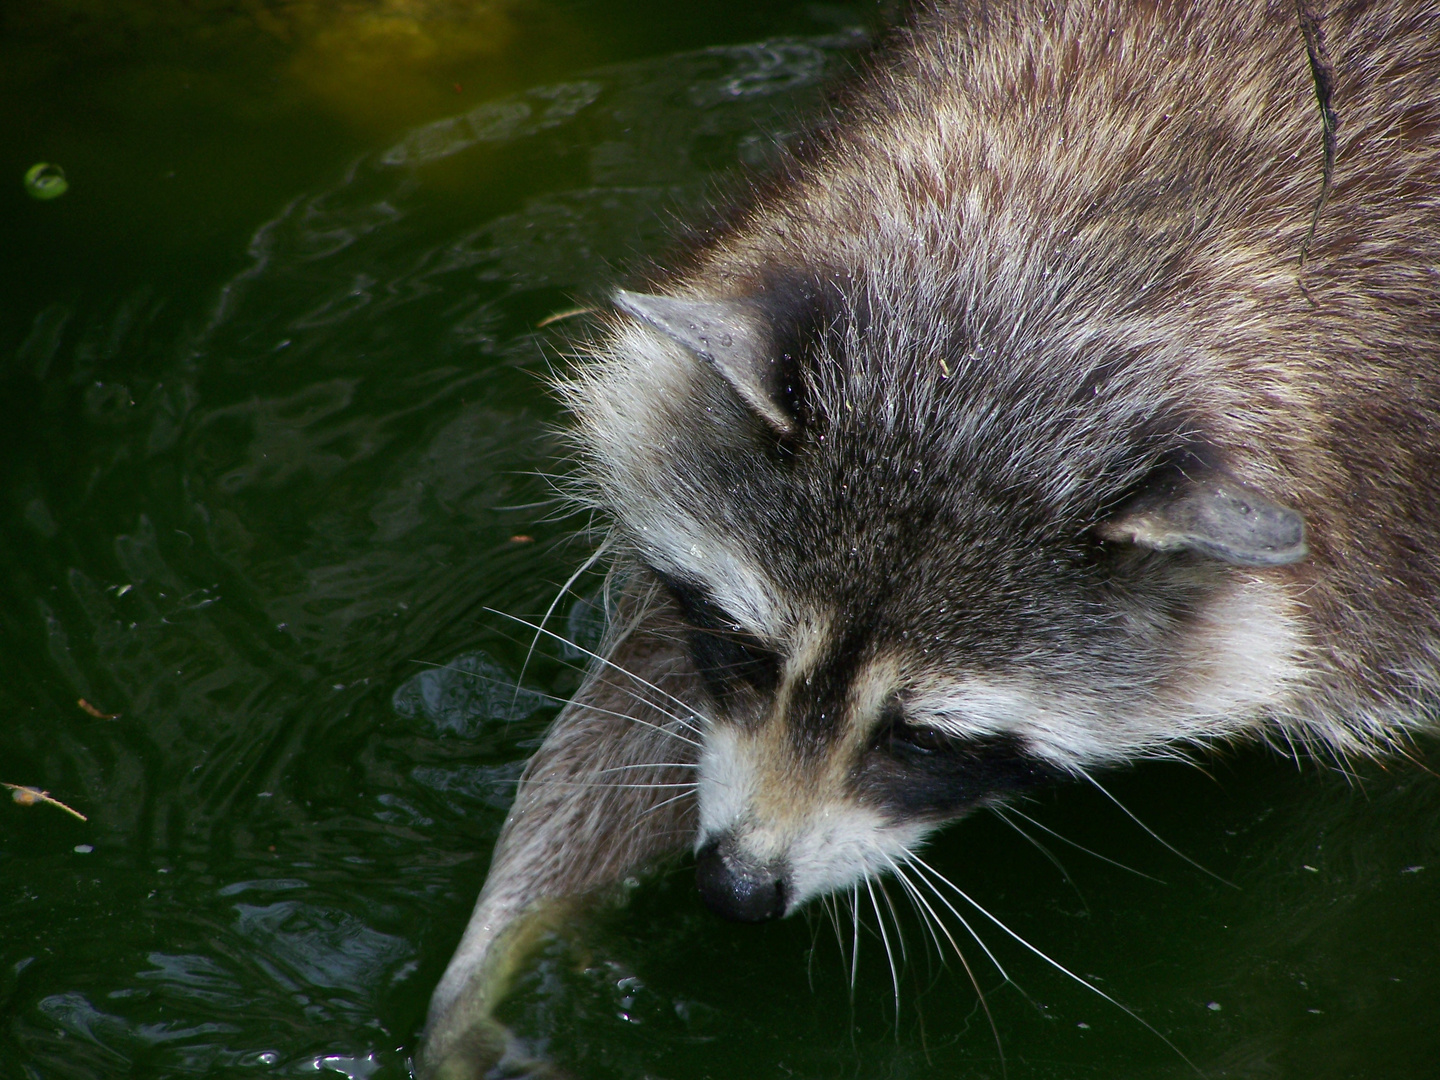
(1068, 397)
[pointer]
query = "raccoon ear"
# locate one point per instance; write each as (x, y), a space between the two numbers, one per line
(1216, 515)
(732, 335)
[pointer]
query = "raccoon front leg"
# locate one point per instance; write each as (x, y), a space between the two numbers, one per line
(610, 789)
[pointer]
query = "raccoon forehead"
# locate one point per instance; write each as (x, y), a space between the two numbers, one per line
(725, 575)
(891, 428)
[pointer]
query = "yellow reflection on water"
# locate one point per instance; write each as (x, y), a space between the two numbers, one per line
(378, 66)
(378, 62)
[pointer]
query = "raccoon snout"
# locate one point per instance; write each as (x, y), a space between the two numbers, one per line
(735, 889)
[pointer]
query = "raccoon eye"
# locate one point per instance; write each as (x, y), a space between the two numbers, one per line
(926, 740)
(918, 770)
(724, 653)
(697, 608)
(726, 660)
(896, 736)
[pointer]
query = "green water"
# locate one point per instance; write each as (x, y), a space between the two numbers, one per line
(273, 415)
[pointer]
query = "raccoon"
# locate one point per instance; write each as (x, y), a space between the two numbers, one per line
(1068, 396)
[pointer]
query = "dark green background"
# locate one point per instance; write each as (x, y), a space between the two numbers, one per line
(273, 409)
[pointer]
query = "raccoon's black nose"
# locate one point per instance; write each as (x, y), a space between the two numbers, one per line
(736, 890)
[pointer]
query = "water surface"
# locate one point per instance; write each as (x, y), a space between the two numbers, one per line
(274, 426)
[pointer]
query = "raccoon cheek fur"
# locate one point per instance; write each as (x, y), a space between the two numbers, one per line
(1068, 397)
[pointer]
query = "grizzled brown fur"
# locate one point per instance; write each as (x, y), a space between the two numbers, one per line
(1069, 396)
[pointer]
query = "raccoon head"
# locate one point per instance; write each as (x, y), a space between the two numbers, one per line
(924, 562)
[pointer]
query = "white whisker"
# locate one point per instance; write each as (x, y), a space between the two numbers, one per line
(591, 708)
(832, 908)
(925, 919)
(918, 903)
(915, 860)
(889, 953)
(540, 780)
(855, 942)
(894, 918)
(595, 557)
(664, 802)
(636, 695)
(608, 663)
(1050, 855)
(912, 859)
(1153, 834)
(1079, 847)
(918, 896)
